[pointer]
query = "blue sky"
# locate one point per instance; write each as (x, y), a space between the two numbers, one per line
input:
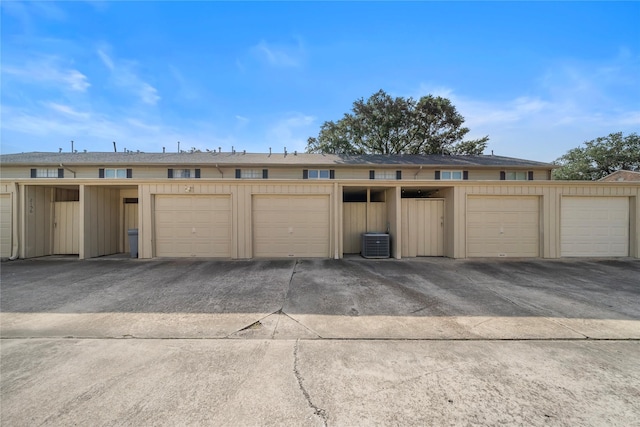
(538, 78)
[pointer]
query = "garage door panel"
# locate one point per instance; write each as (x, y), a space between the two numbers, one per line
(188, 226)
(594, 226)
(503, 226)
(288, 225)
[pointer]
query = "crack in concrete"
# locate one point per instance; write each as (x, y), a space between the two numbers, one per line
(316, 410)
(286, 294)
(304, 326)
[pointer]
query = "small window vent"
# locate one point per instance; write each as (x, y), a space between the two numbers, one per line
(375, 245)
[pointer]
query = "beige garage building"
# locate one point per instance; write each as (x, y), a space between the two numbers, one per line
(239, 206)
(503, 226)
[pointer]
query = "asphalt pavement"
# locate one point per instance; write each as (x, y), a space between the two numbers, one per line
(428, 341)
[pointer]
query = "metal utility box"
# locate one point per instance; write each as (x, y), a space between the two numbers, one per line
(133, 241)
(375, 245)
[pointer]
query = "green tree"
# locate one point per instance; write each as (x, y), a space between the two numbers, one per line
(386, 125)
(600, 157)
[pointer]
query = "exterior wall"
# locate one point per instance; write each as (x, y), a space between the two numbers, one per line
(450, 214)
(394, 210)
(8, 189)
(551, 199)
(354, 224)
(99, 221)
(142, 172)
(36, 229)
(241, 192)
(102, 224)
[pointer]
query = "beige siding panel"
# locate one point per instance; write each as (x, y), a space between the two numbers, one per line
(5, 225)
(377, 218)
(38, 221)
(193, 226)
(354, 224)
(484, 175)
(101, 221)
(506, 226)
(594, 226)
(394, 215)
(449, 223)
(66, 230)
(291, 226)
(14, 172)
(352, 173)
(422, 227)
(282, 173)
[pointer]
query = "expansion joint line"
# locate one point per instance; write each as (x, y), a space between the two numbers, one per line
(286, 297)
(286, 294)
(316, 410)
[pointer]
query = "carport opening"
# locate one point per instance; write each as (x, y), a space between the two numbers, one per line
(364, 210)
(354, 196)
(418, 193)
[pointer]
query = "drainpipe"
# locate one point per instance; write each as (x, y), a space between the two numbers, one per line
(66, 168)
(416, 175)
(219, 170)
(14, 221)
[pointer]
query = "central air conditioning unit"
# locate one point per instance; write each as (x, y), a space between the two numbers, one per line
(375, 245)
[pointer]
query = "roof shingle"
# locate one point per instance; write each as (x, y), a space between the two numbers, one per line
(255, 159)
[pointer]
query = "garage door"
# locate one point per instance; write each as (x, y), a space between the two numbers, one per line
(503, 226)
(5, 225)
(193, 226)
(594, 226)
(291, 226)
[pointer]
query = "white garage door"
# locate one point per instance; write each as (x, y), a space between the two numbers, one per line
(291, 226)
(193, 226)
(503, 226)
(594, 226)
(5, 225)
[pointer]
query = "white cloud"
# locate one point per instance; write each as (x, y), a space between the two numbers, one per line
(569, 104)
(53, 124)
(124, 76)
(630, 118)
(49, 71)
(148, 94)
(281, 56)
(291, 131)
(187, 90)
(242, 121)
(106, 60)
(67, 110)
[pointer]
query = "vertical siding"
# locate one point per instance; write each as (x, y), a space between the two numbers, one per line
(66, 230)
(376, 217)
(394, 216)
(38, 221)
(550, 210)
(244, 215)
(241, 192)
(409, 246)
(5, 224)
(449, 222)
(634, 226)
(101, 225)
(354, 224)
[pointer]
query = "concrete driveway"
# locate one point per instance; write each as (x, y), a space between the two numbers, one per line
(320, 342)
(430, 298)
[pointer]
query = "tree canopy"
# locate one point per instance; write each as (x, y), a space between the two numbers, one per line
(600, 157)
(386, 125)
